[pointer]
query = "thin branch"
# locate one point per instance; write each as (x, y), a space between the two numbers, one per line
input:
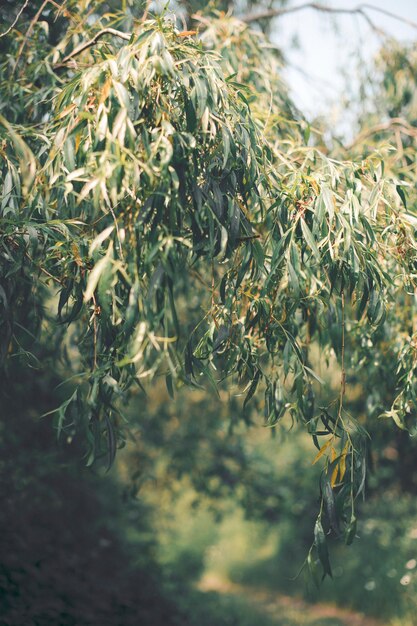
(253, 17)
(404, 20)
(359, 10)
(44, 271)
(87, 44)
(29, 32)
(342, 358)
(395, 123)
(146, 11)
(22, 8)
(95, 313)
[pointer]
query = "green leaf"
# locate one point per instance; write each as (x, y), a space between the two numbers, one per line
(330, 504)
(96, 272)
(25, 155)
(252, 387)
(310, 239)
(402, 195)
(322, 550)
(350, 531)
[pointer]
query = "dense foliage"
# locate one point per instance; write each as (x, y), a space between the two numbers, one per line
(167, 211)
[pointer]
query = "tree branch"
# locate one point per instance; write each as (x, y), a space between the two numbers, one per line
(397, 124)
(404, 20)
(359, 10)
(22, 8)
(29, 32)
(254, 17)
(87, 44)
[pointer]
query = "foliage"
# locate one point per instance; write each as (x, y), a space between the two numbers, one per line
(163, 196)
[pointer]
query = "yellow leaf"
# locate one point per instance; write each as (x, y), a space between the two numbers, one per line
(322, 450)
(105, 90)
(187, 33)
(66, 111)
(342, 463)
(76, 252)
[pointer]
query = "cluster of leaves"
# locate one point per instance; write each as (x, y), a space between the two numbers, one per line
(389, 354)
(184, 225)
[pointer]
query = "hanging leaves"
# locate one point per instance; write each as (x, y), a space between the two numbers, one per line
(169, 203)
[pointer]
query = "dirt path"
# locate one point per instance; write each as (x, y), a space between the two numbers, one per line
(281, 607)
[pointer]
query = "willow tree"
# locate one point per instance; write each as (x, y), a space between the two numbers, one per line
(167, 211)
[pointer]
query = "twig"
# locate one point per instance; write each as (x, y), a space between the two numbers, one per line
(29, 32)
(87, 44)
(146, 11)
(23, 7)
(95, 313)
(359, 10)
(343, 366)
(248, 238)
(404, 20)
(397, 123)
(251, 17)
(44, 271)
(342, 391)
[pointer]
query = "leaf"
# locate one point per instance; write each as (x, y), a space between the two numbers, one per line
(342, 462)
(111, 441)
(97, 241)
(188, 361)
(122, 94)
(350, 531)
(61, 410)
(258, 254)
(322, 549)
(322, 450)
(252, 387)
(25, 155)
(87, 188)
(310, 239)
(376, 308)
(328, 200)
(314, 375)
(329, 502)
(402, 195)
(334, 476)
(96, 272)
(169, 385)
(66, 292)
(223, 334)
(395, 416)
(7, 189)
(293, 278)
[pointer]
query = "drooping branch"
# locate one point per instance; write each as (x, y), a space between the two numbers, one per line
(359, 10)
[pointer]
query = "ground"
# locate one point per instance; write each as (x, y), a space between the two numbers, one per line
(285, 610)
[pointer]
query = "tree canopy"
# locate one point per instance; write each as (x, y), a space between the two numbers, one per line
(166, 210)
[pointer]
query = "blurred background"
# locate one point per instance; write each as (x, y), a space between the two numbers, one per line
(203, 520)
(206, 518)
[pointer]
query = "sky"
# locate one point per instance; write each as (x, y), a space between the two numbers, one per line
(327, 44)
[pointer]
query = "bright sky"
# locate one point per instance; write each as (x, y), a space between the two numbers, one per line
(327, 43)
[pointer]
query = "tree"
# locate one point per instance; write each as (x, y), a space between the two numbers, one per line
(167, 211)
